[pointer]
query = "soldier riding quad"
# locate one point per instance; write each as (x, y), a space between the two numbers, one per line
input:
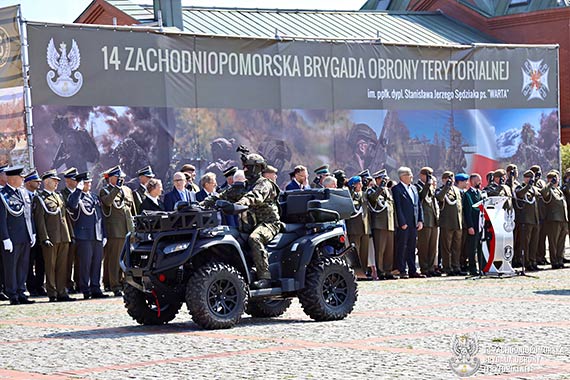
(186, 256)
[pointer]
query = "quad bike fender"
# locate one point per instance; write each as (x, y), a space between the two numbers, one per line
(224, 245)
(308, 247)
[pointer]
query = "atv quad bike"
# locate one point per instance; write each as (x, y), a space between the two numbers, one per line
(187, 256)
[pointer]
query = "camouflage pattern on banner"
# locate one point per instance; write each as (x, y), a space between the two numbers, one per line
(104, 97)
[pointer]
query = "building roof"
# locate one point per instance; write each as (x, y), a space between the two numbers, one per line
(487, 8)
(390, 27)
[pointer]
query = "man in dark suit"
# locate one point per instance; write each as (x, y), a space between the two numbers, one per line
(299, 180)
(18, 235)
(208, 184)
(471, 218)
(410, 220)
(85, 211)
(179, 193)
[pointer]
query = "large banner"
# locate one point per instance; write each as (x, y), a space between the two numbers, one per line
(13, 145)
(103, 97)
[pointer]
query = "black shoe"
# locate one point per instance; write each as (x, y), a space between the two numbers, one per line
(3, 297)
(556, 266)
(117, 293)
(42, 292)
(14, 301)
(65, 299)
(71, 290)
(417, 275)
(33, 292)
(435, 273)
(53, 299)
(25, 301)
(261, 284)
(461, 273)
(99, 295)
(565, 261)
(107, 288)
(86, 296)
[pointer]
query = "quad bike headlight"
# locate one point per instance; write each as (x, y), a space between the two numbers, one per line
(171, 248)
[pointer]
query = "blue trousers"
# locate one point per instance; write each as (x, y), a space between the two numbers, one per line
(90, 254)
(406, 249)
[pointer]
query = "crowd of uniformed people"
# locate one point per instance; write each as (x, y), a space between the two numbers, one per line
(57, 243)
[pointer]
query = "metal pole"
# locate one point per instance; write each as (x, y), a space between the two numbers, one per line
(27, 90)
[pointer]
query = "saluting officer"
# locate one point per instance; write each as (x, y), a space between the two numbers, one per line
(118, 208)
(54, 234)
(556, 219)
(427, 236)
(18, 235)
(451, 224)
(527, 197)
(144, 174)
(85, 211)
(72, 267)
(382, 217)
(499, 188)
(229, 176)
(321, 172)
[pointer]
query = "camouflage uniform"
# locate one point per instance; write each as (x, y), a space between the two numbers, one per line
(263, 218)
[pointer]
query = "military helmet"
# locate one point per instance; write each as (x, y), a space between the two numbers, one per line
(254, 163)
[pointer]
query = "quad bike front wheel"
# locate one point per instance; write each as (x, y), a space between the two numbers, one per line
(143, 307)
(216, 296)
(330, 290)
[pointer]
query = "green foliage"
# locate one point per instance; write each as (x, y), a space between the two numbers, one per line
(565, 154)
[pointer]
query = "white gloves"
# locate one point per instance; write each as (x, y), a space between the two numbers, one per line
(104, 242)
(8, 246)
(33, 241)
(80, 185)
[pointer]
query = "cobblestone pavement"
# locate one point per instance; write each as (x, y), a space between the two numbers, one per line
(399, 330)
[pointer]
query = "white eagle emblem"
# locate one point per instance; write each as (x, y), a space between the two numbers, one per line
(535, 79)
(464, 348)
(64, 64)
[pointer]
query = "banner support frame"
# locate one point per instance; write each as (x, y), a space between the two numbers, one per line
(27, 89)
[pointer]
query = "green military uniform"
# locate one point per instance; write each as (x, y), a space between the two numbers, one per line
(383, 220)
(118, 208)
(527, 219)
(556, 221)
(358, 227)
(231, 193)
(451, 224)
(52, 227)
(263, 218)
(427, 236)
(139, 195)
(541, 253)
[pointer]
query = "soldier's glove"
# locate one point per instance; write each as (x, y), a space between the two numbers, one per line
(80, 185)
(48, 243)
(8, 246)
(120, 182)
(448, 183)
(104, 242)
(225, 206)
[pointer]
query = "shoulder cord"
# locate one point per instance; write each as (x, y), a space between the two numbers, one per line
(81, 209)
(57, 210)
(12, 212)
(113, 204)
